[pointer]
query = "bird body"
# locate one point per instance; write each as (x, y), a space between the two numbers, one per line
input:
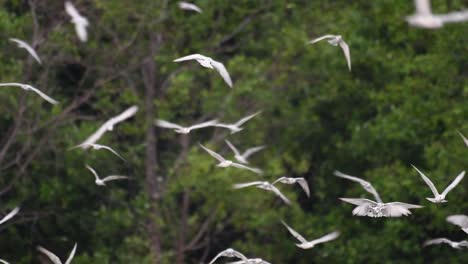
(366, 207)
(336, 40)
(81, 22)
(310, 244)
(440, 198)
(208, 62)
(28, 48)
(102, 182)
(184, 130)
(28, 87)
(236, 127)
(424, 18)
(230, 253)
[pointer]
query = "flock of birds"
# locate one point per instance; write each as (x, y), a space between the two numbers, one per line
(364, 207)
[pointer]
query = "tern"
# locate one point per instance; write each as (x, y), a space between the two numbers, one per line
(97, 147)
(336, 40)
(367, 185)
(27, 47)
(28, 87)
(464, 138)
(230, 253)
(190, 7)
(301, 181)
(456, 245)
(102, 182)
(265, 186)
(224, 163)
(366, 207)
(440, 198)
(80, 21)
(184, 130)
(108, 126)
(459, 220)
(9, 215)
(208, 62)
(424, 18)
(242, 158)
(54, 258)
(236, 127)
(310, 244)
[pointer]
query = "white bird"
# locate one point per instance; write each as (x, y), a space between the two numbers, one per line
(108, 126)
(301, 181)
(459, 220)
(208, 62)
(464, 138)
(310, 244)
(336, 40)
(97, 147)
(189, 6)
(367, 185)
(102, 182)
(236, 127)
(26, 46)
(230, 253)
(424, 18)
(9, 215)
(224, 163)
(366, 207)
(4, 261)
(242, 158)
(454, 244)
(28, 87)
(440, 198)
(250, 261)
(80, 21)
(54, 258)
(265, 186)
(184, 130)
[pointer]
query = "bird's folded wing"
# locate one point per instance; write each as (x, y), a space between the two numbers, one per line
(166, 124)
(454, 183)
(72, 254)
(49, 254)
(191, 57)
(223, 72)
(213, 154)
(428, 182)
(294, 233)
(251, 151)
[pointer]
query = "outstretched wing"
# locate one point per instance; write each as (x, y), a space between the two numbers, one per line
(247, 118)
(240, 166)
(114, 177)
(247, 184)
(251, 151)
(43, 95)
(49, 254)
(294, 233)
(166, 124)
(109, 149)
(363, 205)
(9, 215)
(213, 154)
(346, 52)
(397, 209)
(228, 253)
(464, 138)
(454, 183)
(303, 183)
(191, 57)
(459, 220)
(71, 10)
(437, 241)
(321, 38)
(423, 7)
(278, 193)
(223, 72)
(92, 171)
(72, 254)
(326, 238)
(231, 146)
(428, 181)
(4, 261)
(189, 6)
(26, 46)
(205, 124)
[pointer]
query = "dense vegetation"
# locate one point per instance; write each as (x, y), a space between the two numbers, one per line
(402, 104)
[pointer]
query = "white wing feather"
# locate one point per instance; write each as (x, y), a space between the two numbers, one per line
(428, 182)
(10, 215)
(213, 154)
(223, 72)
(454, 183)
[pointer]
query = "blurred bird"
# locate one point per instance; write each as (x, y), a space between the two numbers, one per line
(54, 258)
(250, 261)
(28, 87)
(80, 21)
(464, 138)
(366, 207)
(184, 130)
(208, 62)
(265, 186)
(27, 47)
(440, 198)
(236, 127)
(224, 163)
(336, 40)
(97, 147)
(102, 182)
(310, 244)
(230, 253)
(4, 261)
(108, 126)
(424, 18)
(301, 181)
(9, 215)
(457, 245)
(459, 220)
(367, 185)
(189, 6)
(242, 158)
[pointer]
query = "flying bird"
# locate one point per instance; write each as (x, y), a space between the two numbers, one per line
(440, 198)
(54, 258)
(236, 127)
(208, 62)
(224, 163)
(9, 215)
(310, 244)
(80, 21)
(424, 18)
(242, 158)
(301, 181)
(189, 6)
(102, 182)
(366, 207)
(229, 253)
(456, 245)
(184, 130)
(27, 47)
(97, 147)
(108, 126)
(367, 185)
(464, 138)
(459, 220)
(336, 40)
(265, 186)
(28, 87)
(4, 261)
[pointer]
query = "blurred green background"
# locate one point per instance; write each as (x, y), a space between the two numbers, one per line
(402, 104)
